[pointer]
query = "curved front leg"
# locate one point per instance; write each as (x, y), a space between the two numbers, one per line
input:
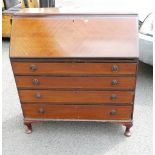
(28, 127)
(127, 130)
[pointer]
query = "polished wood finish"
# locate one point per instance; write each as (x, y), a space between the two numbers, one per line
(76, 97)
(75, 66)
(69, 82)
(84, 36)
(65, 11)
(36, 11)
(35, 68)
(96, 112)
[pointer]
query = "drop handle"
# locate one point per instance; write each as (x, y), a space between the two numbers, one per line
(114, 82)
(35, 82)
(113, 96)
(33, 67)
(115, 68)
(113, 112)
(41, 111)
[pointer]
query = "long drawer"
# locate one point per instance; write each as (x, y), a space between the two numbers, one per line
(78, 97)
(88, 112)
(34, 68)
(47, 82)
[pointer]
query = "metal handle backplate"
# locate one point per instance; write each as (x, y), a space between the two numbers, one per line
(115, 68)
(114, 82)
(35, 82)
(33, 67)
(113, 112)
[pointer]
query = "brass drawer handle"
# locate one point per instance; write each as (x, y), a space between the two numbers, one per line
(115, 68)
(35, 82)
(113, 112)
(38, 95)
(41, 111)
(33, 67)
(114, 82)
(113, 96)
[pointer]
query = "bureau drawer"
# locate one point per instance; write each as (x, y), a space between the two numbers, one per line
(76, 97)
(35, 68)
(47, 82)
(86, 112)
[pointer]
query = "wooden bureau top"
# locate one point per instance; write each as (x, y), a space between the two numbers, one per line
(50, 11)
(49, 33)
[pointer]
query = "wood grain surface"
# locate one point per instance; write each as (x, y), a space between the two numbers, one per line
(71, 65)
(51, 82)
(74, 36)
(66, 11)
(92, 112)
(78, 97)
(25, 68)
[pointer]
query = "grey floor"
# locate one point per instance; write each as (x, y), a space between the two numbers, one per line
(76, 138)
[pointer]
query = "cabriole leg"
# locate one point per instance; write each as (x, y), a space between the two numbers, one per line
(28, 127)
(127, 130)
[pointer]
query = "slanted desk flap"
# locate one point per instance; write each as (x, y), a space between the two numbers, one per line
(74, 35)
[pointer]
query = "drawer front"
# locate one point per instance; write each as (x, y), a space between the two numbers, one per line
(49, 111)
(73, 68)
(86, 112)
(38, 82)
(78, 97)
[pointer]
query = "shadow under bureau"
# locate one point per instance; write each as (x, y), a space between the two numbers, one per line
(75, 66)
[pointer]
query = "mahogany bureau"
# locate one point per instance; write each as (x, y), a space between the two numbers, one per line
(75, 66)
